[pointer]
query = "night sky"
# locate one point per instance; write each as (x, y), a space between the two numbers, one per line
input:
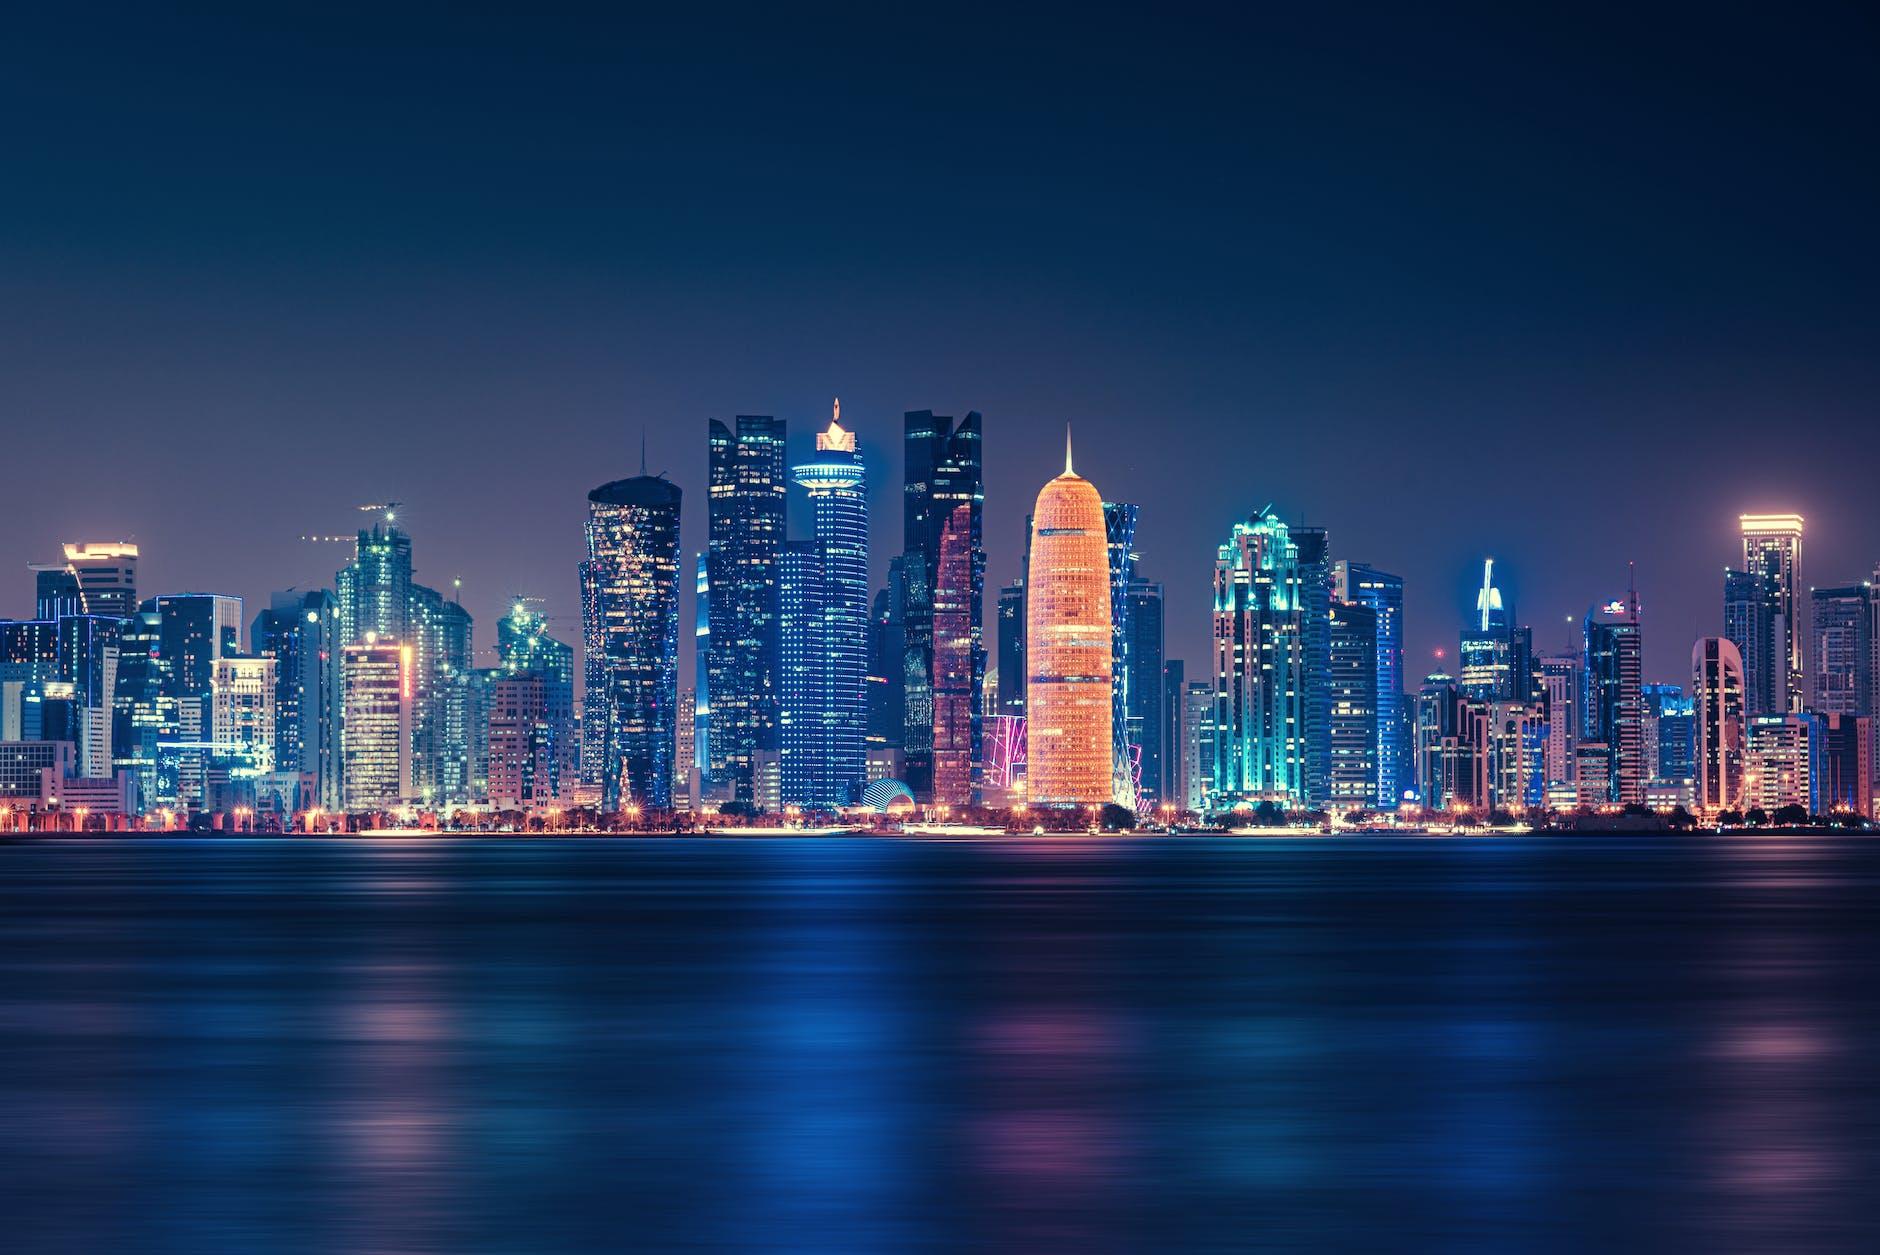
(1569, 289)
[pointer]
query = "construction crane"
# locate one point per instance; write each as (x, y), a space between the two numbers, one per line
(384, 507)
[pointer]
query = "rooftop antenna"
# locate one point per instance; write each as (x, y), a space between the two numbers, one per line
(1067, 450)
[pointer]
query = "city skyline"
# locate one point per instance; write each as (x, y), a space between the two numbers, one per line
(1394, 299)
(1432, 615)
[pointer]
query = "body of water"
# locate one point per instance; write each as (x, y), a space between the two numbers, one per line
(850, 1044)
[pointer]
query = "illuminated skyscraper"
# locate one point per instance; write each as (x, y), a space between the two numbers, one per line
(298, 631)
(1314, 545)
(747, 505)
(1614, 678)
(1671, 734)
(955, 662)
(633, 571)
(1357, 583)
(701, 667)
(376, 695)
(1119, 531)
(1717, 696)
(800, 672)
(242, 726)
(1488, 646)
(377, 596)
(523, 645)
(1845, 641)
(887, 676)
(95, 577)
(1782, 762)
(1068, 646)
(943, 472)
(1012, 650)
(1259, 665)
(1846, 764)
(1772, 544)
(1753, 621)
(524, 769)
(826, 732)
(1352, 711)
(1142, 691)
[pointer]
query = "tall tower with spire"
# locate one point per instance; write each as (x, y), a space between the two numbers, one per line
(824, 713)
(1068, 645)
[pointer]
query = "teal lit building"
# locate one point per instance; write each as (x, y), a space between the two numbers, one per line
(1259, 666)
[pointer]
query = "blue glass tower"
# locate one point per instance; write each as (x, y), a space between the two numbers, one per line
(632, 572)
(826, 613)
(1119, 533)
(1382, 593)
(747, 498)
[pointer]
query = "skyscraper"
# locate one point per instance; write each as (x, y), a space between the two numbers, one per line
(1259, 665)
(1142, 691)
(523, 769)
(747, 521)
(378, 596)
(1198, 734)
(1614, 675)
(1846, 764)
(887, 676)
(298, 631)
(1717, 695)
(955, 699)
(95, 577)
(1671, 734)
(943, 471)
(1488, 646)
(1782, 762)
(1844, 643)
(1315, 609)
(831, 725)
(242, 725)
(1170, 789)
(1012, 650)
(376, 693)
(1352, 712)
(1357, 583)
(1753, 621)
(1772, 544)
(1119, 532)
(524, 646)
(195, 630)
(800, 675)
(633, 572)
(1068, 645)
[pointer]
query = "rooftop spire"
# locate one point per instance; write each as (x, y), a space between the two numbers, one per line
(1067, 450)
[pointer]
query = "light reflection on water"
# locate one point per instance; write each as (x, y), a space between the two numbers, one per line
(871, 1045)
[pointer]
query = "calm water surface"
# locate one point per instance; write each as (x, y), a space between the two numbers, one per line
(1063, 1044)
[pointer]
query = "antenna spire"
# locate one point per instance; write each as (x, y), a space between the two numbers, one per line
(1067, 450)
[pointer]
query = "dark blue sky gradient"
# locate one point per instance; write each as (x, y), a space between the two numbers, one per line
(1569, 288)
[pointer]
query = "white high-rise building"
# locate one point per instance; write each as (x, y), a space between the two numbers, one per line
(375, 681)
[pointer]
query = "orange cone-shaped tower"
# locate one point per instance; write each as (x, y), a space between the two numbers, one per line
(1067, 645)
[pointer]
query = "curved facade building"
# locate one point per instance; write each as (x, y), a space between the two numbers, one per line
(1068, 645)
(631, 590)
